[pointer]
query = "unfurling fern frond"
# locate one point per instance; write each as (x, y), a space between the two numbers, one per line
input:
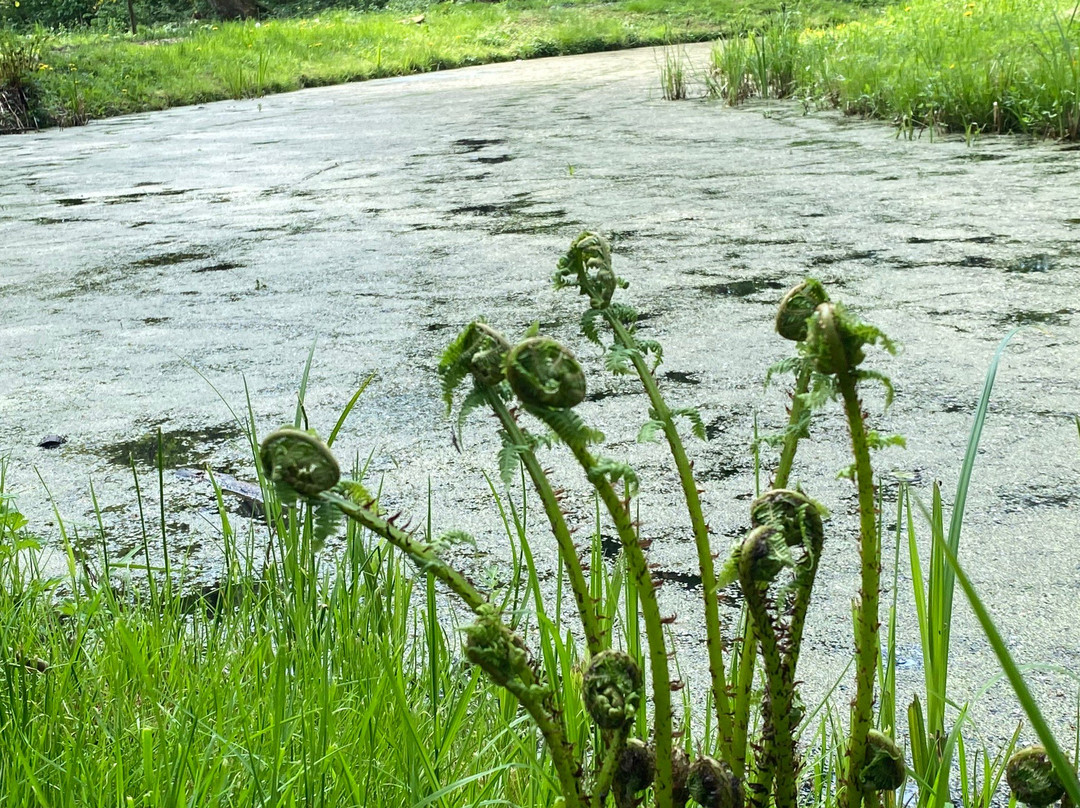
(452, 538)
(509, 459)
(790, 364)
(568, 426)
(626, 315)
(478, 351)
(475, 399)
(649, 430)
(822, 390)
(619, 359)
(587, 266)
(591, 321)
(697, 426)
(875, 440)
(614, 471)
(454, 363)
(886, 382)
(651, 346)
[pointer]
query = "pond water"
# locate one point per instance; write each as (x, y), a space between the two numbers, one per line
(161, 270)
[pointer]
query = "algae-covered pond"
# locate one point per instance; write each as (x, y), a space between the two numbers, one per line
(160, 269)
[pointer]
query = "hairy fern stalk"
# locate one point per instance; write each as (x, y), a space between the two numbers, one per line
(634, 755)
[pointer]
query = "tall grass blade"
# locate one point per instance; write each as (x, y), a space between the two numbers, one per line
(960, 501)
(1027, 701)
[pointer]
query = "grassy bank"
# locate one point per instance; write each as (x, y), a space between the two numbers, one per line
(84, 75)
(967, 66)
(289, 684)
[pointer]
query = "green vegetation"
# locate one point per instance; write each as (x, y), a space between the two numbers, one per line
(297, 684)
(90, 73)
(965, 66)
(303, 677)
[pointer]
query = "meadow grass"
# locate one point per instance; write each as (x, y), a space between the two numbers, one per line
(297, 683)
(963, 66)
(91, 74)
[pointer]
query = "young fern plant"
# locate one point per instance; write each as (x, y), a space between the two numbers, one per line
(301, 467)
(587, 267)
(481, 352)
(549, 382)
(775, 565)
(835, 342)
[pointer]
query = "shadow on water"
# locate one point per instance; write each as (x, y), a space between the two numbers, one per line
(517, 216)
(179, 447)
(169, 259)
(743, 288)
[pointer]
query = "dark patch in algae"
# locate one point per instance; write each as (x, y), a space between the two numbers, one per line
(468, 145)
(169, 259)
(741, 288)
(180, 447)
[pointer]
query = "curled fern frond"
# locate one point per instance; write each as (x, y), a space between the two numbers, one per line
(853, 335)
(298, 463)
(587, 267)
(884, 769)
(611, 688)
(543, 373)
(636, 768)
(795, 515)
(651, 346)
(499, 652)
(797, 306)
(478, 351)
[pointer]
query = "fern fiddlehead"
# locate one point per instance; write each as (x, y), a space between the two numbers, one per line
(587, 267)
(1032, 779)
(792, 316)
(712, 784)
(482, 352)
(787, 533)
(602, 474)
(835, 342)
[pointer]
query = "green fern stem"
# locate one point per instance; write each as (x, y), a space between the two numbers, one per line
(616, 744)
(650, 610)
(596, 638)
(776, 763)
(531, 697)
(791, 441)
(744, 689)
(654, 627)
(713, 637)
(866, 634)
(420, 553)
